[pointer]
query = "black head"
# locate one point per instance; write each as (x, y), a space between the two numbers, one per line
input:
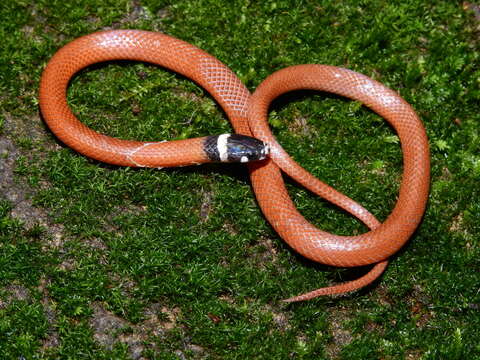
(235, 148)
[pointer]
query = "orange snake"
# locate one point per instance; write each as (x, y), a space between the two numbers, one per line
(248, 115)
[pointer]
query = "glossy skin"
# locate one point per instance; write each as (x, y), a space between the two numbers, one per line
(248, 115)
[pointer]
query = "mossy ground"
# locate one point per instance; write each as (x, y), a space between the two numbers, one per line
(102, 262)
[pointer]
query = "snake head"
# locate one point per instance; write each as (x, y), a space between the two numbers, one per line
(235, 148)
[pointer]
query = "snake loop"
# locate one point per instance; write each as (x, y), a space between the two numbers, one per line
(248, 115)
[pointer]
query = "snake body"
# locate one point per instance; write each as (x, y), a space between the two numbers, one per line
(248, 115)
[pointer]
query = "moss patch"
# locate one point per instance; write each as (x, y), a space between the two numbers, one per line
(104, 262)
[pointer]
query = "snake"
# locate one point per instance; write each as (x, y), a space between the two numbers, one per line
(253, 143)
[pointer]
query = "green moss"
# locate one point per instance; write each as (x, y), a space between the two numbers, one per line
(192, 242)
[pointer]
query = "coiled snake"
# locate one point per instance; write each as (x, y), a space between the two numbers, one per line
(248, 115)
